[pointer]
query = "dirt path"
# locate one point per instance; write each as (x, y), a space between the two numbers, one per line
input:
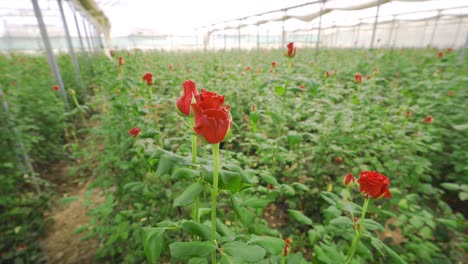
(60, 243)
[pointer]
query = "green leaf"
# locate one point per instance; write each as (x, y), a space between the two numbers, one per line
(294, 138)
(461, 127)
(342, 222)
(69, 199)
(300, 217)
(198, 229)
(153, 242)
(184, 173)
(165, 165)
(230, 181)
(288, 190)
(189, 195)
(197, 261)
(244, 252)
(331, 198)
(448, 222)
(377, 244)
(254, 202)
(269, 179)
(223, 229)
(300, 186)
(280, 90)
(187, 250)
(314, 236)
(450, 186)
(272, 245)
(416, 222)
(328, 254)
(370, 224)
(463, 196)
(394, 255)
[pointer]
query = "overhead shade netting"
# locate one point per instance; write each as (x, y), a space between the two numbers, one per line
(351, 23)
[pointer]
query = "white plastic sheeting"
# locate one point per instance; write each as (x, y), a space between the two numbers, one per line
(403, 23)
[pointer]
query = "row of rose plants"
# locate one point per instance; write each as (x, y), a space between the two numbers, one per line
(297, 127)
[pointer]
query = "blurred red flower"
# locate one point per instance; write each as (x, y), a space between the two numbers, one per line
(134, 132)
(148, 77)
(428, 119)
(348, 178)
(358, 78)
(291, 50)
(440, 54)
(55, 87)
(273, 64)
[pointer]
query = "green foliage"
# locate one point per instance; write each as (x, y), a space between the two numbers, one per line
(285, 161)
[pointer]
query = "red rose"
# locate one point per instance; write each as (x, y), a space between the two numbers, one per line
(291, 50)
(449, 50)
(121, 62)
(428, 119)
(368, 77)
(349, 178)
(55, 87)
(170, 67)
(134, 132)
(302, 87)
(209, 100)
(183, 104)
(358, 77)
(273, 64)
(247, 68)
(148, 77)
(327, 74)
(374, 184)
(440, 54)
(271, 187)
(339, 159)
(212, 124)
(408, 114)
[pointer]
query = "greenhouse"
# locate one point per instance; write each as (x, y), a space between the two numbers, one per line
(275, 132)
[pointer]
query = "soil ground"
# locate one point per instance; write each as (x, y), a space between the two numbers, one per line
(60, 242)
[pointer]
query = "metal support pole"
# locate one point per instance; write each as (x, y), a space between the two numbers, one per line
(457, 32)
(392, 28)
(78, 31)
(239, 37)
(258, 37)
(283, 36)
(375, 25)
(23, 157)
(76, 65)
(50, 55)
(214, 40)
(335, 39)
(357, 36)
(396, 35)
(462, 54)
(319, 30)
(435, 28)
(196, 38)
(87, 36)
(224, 39)
(426, 24)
